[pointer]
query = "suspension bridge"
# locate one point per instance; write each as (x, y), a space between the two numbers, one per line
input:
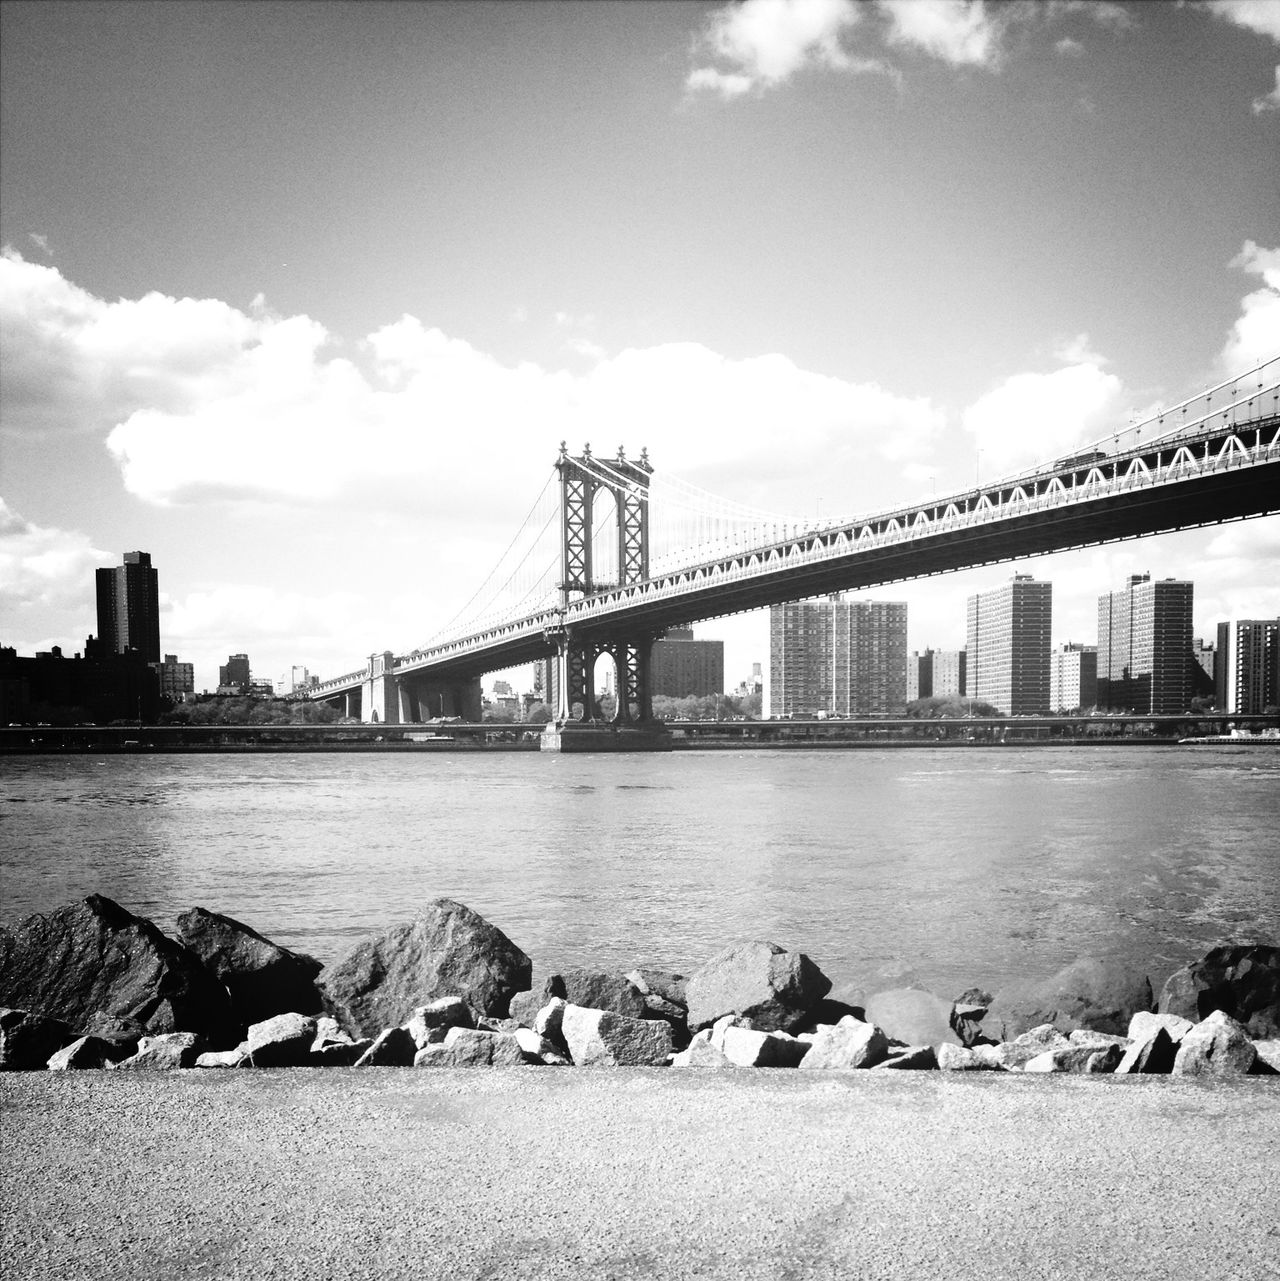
(613, 553)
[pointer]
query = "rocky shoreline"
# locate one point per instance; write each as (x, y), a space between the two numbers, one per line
(92, 986)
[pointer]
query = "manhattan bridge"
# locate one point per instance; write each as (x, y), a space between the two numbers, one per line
(612, 553)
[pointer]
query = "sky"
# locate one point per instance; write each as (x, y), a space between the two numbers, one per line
(302, 298)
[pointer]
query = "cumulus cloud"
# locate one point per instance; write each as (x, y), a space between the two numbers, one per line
(1030, 417)
(1262, 16)
(199, 400)
(961, 32)
(1256, 333)
(41, 565)
(762, 43)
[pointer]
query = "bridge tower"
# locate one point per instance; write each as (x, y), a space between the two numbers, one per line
(572, 692)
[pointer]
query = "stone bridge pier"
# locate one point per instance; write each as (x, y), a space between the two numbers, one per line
(387, 698)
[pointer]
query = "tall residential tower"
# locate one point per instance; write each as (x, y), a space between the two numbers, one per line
(1007, 646)
(129, 608)
(1144, 647)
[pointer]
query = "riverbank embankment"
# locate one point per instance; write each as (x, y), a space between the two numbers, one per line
(364, 1173)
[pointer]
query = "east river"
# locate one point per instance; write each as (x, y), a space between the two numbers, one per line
(955, 867)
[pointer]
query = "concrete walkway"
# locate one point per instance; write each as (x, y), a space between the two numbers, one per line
(532, 1173)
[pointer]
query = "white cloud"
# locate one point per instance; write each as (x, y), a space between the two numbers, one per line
(1030, 417)
(1268, 101)
(1256, 333)
(765, 42)
(202, 401)
(1262, 16)
(41, 566)
(960, 32)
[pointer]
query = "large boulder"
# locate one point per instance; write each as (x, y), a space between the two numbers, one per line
(284, 1040)
(1100, 996)
(1240, 979)
(94, 957)
(263, 978)
(27, 1040)
(87, 1052)
(849, 1044)
(912, 1017)
(1216, 1046)
(745, 1047)
(600, 990)
(473, 1047)
(163, 1052)
(601, 1038)
(760, 981)
(447, 950)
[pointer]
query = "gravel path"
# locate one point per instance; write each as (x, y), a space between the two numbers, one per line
(529, 1173)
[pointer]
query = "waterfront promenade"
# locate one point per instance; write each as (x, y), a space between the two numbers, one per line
(545, 1173)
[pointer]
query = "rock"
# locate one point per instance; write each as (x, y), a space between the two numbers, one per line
(164, 1051)
(124, 1034)
(282, 1041)
(715, 1034)
(471, 1047)
(847, 1045)
(1088, 993)
(1035, 1041)
(746, 1047)
(664, 985)
(262, 978)
(601, 1038)
(1240, 979)
(701, 1054)
(1268, 1053)
(329, 1033)
(339, 1053)
(827, 1013)
(525, 1005)
(773, 987)
(1083, 1056)
(237, 1058)
(914, 1058)
(1152, 1053)
(27, 1040)
(973, 1058)
(392, 1047)
(599, 990)
(912, 1017)
(95, 957)
(535, 1048)
(548, 1020)
(87, 1052)
(437, 1017)
(1216, 1046)
(1145, 1022)
(486, 1024)
(966, 1022)
(447, 950)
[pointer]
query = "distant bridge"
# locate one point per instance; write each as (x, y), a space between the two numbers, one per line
(1201, 464)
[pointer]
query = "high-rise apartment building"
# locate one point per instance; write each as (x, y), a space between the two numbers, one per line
(1073, 678)
(1247, 670)
(682, 667)
(937, 673)
(838, 658)
(129, 608)
(1007, 650)
(1144, 647)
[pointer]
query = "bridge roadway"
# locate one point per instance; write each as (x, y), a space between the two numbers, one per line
(1222, 474)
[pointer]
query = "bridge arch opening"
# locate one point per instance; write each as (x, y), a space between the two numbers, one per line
(604, 677)
(604, 539)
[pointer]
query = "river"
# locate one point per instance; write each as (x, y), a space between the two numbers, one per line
(954, 867)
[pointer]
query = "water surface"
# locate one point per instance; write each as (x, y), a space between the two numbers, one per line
(964, 866)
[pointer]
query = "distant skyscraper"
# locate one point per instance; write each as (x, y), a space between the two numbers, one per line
(1144, 647)
(1007, 650)
(681, 667)
(1073, 678)
(1247, 668)
(838, 657)
(129, 608)
(176, 679)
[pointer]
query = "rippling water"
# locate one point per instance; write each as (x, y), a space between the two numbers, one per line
(968, 866)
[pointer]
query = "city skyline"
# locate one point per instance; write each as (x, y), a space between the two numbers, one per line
(308, 319)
